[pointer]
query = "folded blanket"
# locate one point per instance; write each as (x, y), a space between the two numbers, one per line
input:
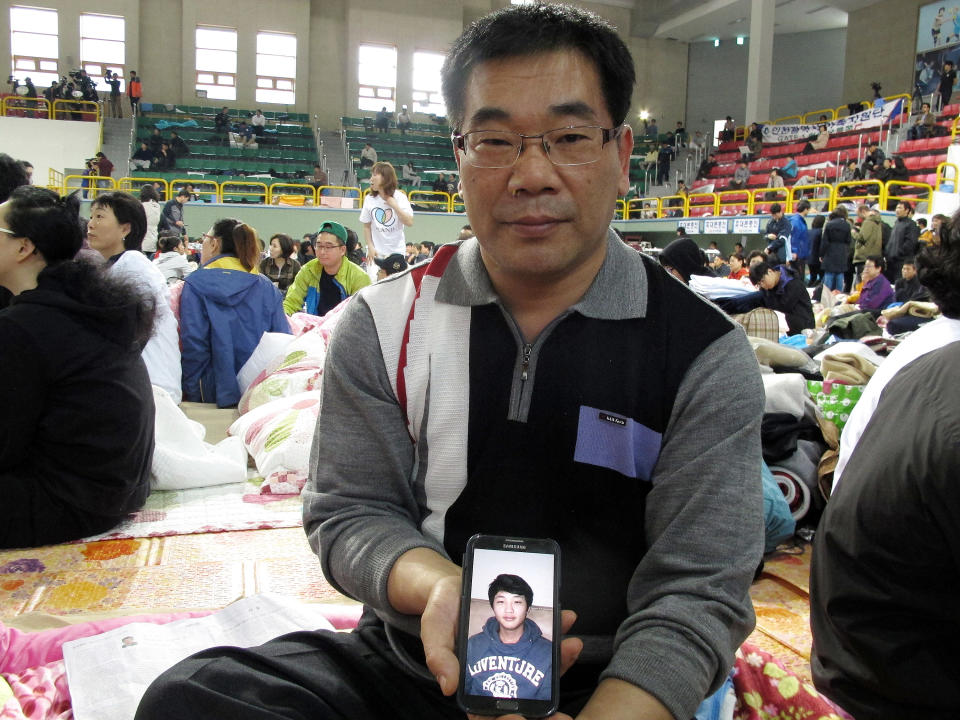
(850, 368)
(912, 307)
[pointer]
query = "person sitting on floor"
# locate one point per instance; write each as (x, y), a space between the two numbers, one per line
(117, 225)
(77, 418)
(225, 307)
(781, 290)
(908, 285)
(325, 282)
(876, 292)
(172, 260)
(279, 267)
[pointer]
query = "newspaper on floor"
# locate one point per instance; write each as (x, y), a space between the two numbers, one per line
(108, 674)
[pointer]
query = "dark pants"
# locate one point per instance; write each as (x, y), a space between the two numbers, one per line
(892, 273)
(320, 675)
(815, 274)
(801, 267)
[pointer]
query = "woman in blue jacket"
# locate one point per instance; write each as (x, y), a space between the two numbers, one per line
(225, 308)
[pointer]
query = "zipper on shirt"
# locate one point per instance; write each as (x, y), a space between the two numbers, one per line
(521, 389)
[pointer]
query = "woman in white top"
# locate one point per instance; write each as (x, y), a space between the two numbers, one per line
(386, 211)
(172, 260)
(116, 229)
(151, 206)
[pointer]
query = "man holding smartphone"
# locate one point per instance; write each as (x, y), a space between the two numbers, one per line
(541, 380)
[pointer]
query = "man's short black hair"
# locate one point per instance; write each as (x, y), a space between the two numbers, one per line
(183, 193)
(803, 205)
(513, 584)
(907, 205)
(12, 175)
(775, 208)
(759, 270)
(523, 30)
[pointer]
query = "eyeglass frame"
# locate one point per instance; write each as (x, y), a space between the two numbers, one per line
(318, 247)
(459, 143)
(11, 233)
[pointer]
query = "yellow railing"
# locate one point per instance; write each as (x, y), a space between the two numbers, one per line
(796, 193)
(307, 191)
(18, 106)
(829, 112)
(780, 196)
(640, 208)
(54, 180)
(953, 128)
(88, 184)
(257, 191)
(844, 107)
(734, 198)
(200, 188)
(621, 211)
(914, 198)
(714, 203)
(430, 198)
(858, 184)
(66, 109)
(795, 119)
(326, 197)
(941, 179)
(456, 203)
(667, 208)
(133, 185)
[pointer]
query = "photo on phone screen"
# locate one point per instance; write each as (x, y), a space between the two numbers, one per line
(509, 626)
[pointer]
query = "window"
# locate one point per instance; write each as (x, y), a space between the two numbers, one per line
(427, 97)
(276, 68)
(102, 47)
(34, 45)
(377, 77)
(217, 62)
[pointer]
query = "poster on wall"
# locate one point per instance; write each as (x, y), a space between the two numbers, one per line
(938, 41)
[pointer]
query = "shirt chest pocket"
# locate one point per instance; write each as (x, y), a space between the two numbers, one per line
(615, 442)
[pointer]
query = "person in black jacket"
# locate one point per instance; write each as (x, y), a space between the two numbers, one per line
(904, 240)
(835, 249)
(77, 418)
(781, 290)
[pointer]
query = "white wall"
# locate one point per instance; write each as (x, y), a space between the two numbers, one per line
(48, 144)
(808, 71)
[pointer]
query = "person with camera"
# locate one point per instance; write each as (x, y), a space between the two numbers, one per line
(113, 80)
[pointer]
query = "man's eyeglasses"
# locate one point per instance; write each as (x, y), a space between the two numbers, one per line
(11, 233)
(321, 246)
(574, 145)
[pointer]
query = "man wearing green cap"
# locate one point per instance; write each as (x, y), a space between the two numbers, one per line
(328, 280)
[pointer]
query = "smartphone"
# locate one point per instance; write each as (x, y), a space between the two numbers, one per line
(508, 640)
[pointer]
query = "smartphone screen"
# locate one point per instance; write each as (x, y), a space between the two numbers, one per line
(509, 633)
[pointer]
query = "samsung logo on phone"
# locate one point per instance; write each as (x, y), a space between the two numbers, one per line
(510, 546)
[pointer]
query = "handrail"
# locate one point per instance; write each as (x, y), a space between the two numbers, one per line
(179, 183)
(89, 184)
(745, 198)
(953, 129)
(621, 210)
(908, 106)
(941, 179)
(667, 208)
(75, 107)
(714, 203)
(130, 184)
(346, 191)
(790, 118)
(753, 196)
(829, 112)
(915, 199)
(643, 206)
(259, 194)
(456, 201)
(444, 199)
(22, 103)
(879, 195)
(311, 193)
(800, 189)
(54, 180)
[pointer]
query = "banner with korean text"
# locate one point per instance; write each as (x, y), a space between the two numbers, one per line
(874, 117)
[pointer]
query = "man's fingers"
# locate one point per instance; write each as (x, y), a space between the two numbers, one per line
(438, 631)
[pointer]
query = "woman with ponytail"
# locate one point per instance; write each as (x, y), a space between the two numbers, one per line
(225, 308)
(77, 416)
